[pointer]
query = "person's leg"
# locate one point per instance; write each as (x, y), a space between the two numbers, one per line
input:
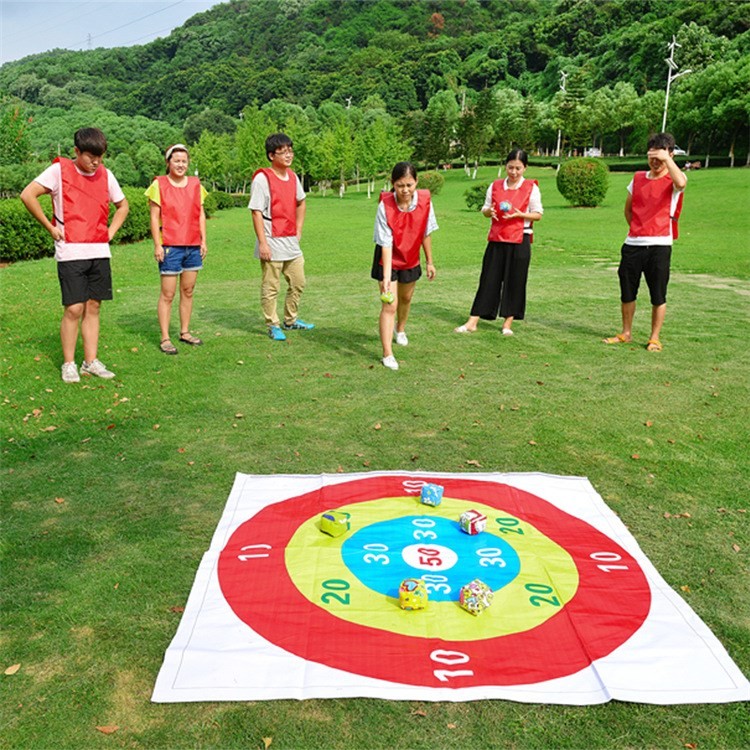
(187, 287)
(387, 320)
(629, 274)
(404, 297)
(657, 278)
(294, 273)
(90, 329)
(71, 319)
(164, 306)
(487, 299)
(269, 290)
(513, 301)
(628, 313)
(657, 320)
(469, 326)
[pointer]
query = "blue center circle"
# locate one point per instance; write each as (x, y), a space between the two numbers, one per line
(435, 549)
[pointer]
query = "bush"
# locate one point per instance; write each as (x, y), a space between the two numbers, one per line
(22, 237)
(137, 225)
(222, 200)
(211, 204)
(583, 181)
(474, 196)
(432, 181)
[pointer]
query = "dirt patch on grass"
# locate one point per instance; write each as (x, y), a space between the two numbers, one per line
(127, 703)
(706, 281)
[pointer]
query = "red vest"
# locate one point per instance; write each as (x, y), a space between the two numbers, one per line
(85, 204)
(408, 228)
(180, 212)
(283, 202)
(652, 207)
(509, 230)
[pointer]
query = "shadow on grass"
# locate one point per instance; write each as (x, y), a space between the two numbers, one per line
(348, 341)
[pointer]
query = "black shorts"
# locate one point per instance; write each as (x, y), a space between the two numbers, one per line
(650, 260)
(82, 280)
(403, 275)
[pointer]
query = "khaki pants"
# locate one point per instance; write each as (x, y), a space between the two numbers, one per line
(294, 273)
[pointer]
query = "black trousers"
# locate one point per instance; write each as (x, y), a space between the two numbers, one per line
(502, 283)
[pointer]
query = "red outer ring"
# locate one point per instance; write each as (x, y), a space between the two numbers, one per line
(605, 611)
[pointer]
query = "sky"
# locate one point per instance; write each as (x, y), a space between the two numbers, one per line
(31, 26)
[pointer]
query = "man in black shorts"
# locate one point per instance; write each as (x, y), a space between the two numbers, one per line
(652, 207)
(81, 190)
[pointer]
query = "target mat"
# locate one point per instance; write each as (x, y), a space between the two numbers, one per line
(281, 610)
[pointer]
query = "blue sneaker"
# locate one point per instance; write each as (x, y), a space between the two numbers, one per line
(276, 333)
(299, 325)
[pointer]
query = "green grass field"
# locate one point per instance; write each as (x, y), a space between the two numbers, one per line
(112, 490)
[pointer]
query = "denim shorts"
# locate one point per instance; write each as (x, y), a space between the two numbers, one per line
(180, 258)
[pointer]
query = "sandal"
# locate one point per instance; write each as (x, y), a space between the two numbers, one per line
(463, 329)
(654, 345)
(618, 339)
(187, 338)
(168, 347)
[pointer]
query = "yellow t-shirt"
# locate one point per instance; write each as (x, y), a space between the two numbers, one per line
(153, 193)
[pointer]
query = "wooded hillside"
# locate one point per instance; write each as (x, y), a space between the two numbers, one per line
(448, 78)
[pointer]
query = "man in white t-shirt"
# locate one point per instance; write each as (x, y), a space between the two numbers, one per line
(277, 203)
(81, 190)
(652, 208)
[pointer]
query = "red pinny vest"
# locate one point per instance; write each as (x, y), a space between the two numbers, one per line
(408, 228)
(283, 202)
(652, 207)
(509, 230)
(85, 203)
(180, 212)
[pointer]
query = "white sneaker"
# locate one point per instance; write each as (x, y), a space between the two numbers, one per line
(507, 332)
(390, 362)
(401, 338)
(70, 373)
(96, 368)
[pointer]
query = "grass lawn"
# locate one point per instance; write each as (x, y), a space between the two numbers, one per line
(112, 490)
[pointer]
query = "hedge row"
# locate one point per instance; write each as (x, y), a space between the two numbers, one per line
(23, 238)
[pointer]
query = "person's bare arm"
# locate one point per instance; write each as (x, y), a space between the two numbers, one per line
(30, 197)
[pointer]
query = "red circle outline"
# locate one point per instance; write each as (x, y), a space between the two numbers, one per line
(598, 619)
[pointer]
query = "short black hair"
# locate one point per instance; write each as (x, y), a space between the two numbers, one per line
(91, 140)
(276, 141)
(661, 140)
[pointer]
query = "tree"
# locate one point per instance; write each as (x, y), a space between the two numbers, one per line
(603, 113)
(124, 169)
(508, 122)
(730, 97)
(625, 111)
(440, 120)
(250, 140)
(150, 162)
(211, 120)
(15, 143)
(215, 159)
(475, 128)
(379, 145)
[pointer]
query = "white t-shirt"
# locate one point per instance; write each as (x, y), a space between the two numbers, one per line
(535, 202)
(383, 235)
(664, 239)
(282, 248)
(51, 179)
